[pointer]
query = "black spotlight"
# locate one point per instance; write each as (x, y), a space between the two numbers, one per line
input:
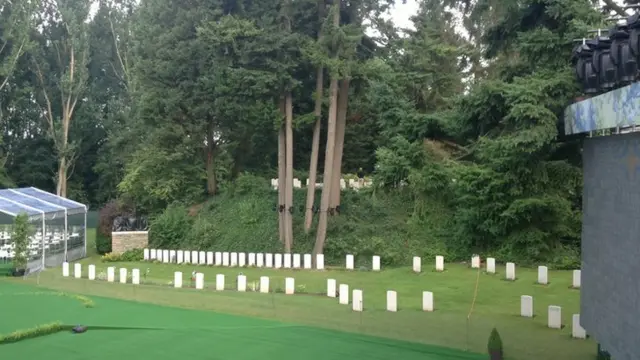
(603, 65)
(626, 64)
(582, 61)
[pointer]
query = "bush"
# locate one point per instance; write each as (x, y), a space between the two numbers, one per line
(37, 331)
(495, 345)
(20, 238)
(171, 228)
(103, 244)
(127, 256)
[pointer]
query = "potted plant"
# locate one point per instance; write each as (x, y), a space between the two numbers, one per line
(20, 237)
(495, 345)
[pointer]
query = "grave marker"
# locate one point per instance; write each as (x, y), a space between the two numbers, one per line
(555, 317)
(220, 282)
(165, 256)
(152, 254)
(417, 264)
(375, 263)
(242, 259)
(358, 300)
(287, 261)
(179, 256)
(92, 272)
(177, 279)
(260, 260)
(331, 288)
(511, 271)
(135, 276)
(146, 254)
(199, 281)
(427, 301)
(343, 294)
(111, 274)
(210, 258)
(543, 275)
(296, 261)
(268, 260)
(123, 275)
(278, 261)
(577, 331)
(491, 265)
(526, 306)
(65, 269)
(218, 258)
(234, 259)
(289, 284)
(252, 259)
(577, 279)
(225, 259)
(242, 283)
(320, 262)
(187, 257)
(264, 284)
(349, 263)
(307, 261)
(439, 263)
(172, 256)
(475, 262)
(392, 301)
(77, 270)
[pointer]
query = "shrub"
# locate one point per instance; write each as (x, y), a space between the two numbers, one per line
(40, 330)
(20, 237)
(103, 244)
(495, 345)
(171, 228)
(127, 256)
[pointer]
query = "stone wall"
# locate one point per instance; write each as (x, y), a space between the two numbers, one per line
(122, 241)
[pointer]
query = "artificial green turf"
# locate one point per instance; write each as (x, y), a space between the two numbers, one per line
(167, 333)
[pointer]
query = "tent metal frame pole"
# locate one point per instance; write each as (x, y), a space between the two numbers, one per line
(85, 232)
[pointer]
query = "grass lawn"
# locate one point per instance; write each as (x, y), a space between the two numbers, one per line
(497, 304)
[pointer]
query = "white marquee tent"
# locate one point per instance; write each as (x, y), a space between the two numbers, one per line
(60, 223)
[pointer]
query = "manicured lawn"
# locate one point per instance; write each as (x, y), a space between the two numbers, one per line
(497, 304)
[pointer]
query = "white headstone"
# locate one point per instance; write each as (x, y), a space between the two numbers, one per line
(375, 263)
(392, 301)
(234, 259)
(320, 262)
(307, 261)
(165, 256)
(135, 276)
(343, 294)
(511, 271)
(65, 269)
(439, 263)
(242, 259)
(358, 301)
(123, 275)
(199, 281)
(543, 275)
(555, 317)
(417, 264)
(242, 283)
(278, 261)
(289, 284)
(218, 258)
(475, 262)
(225, 259)
(77, 270)
(187, 257)
(179, 256)
(146, 254)
(577, 331)
(427, 301)
(152, 254)
(252, 259)
(194, 257)
(172, 256)
(268, 260)
(92, 272)
(210, 258)
(202, 257)
(577, 279)
(491, 265)
(177, 279)
(264, 284)
(111, 274)
(296, 261)
(259, 260)
(331, 288)
(526, 306)
(220, 282)
(287, 261)
(349, 262)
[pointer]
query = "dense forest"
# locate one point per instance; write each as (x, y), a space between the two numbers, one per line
(183, 110)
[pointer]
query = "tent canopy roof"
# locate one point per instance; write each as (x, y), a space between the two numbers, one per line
(37, 203)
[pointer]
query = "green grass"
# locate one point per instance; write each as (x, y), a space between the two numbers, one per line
(130, 330)
(497, 304)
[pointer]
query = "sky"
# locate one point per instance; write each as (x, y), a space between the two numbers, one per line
(402, 12)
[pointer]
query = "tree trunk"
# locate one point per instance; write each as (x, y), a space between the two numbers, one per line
(281, 176)
(329, 154)
(62, 177)
(289, 173)
(212, 181)
(341, 124)
(315, 149)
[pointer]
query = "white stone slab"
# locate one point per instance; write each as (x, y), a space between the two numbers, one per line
(577, 279)
(577, 331)
(179, 257)
(202, 257)
(358, 300)
(287, 261)
(217, 257)
(210, 258)
(123, 275)
(135, 276)
(220, 282)
(199, 281)
(526, 306)
(187, 257)
(77, 270)
(146, 254)
(439, 263)
(172, 256)
(259, 260)
(331, 288)
(234, 259)
(252, 259)
(475, 262)
(543, 275)
(491, 265)
(194, 257)
(349, 262)
(555, 317)
(392, 301)
(159, 255)
(264, 284)
(375, 263)
(242, 283)
(296, 261)
(225, 259)
(320, 262)
(268, 260)
(511, 271)
(65, 269)
(242, 259)
(92, 272)
(278, 261)
(417, 264)
(111, 274)
(152, 254)
(343, 294)
(177, 279)
(307, 261)
(290, 285)
(165, 256)
(427, 301)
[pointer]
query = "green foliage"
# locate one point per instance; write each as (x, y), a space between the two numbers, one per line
(20, 237)
(103, 244)
(37, 331)
(495, 343)
(170, 229)
(127, 256)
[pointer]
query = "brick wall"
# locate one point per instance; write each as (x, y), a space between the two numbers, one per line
(122, 241)
(610, 291)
